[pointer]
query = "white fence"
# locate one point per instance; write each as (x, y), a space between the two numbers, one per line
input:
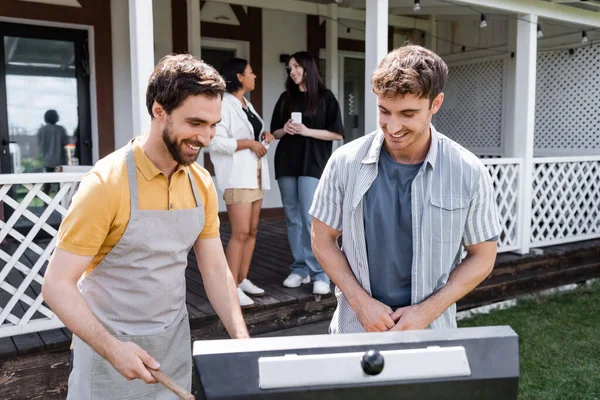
(506, 178)
(565, 208)
(29, 213)
(566, 200)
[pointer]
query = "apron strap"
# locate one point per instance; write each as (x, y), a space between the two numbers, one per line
(132, 175)
(196, 196)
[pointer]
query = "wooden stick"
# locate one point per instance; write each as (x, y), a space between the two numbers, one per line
(170, 384)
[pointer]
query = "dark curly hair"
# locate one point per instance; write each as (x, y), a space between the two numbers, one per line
(178, 76)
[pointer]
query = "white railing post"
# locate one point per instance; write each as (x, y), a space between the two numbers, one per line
(331, 50)
(193, 23)
(521, 128)
(376, 45)
(141, 34)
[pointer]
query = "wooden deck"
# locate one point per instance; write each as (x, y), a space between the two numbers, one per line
(279, 308)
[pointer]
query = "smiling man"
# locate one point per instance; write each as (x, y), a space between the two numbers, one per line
(407, 200)
(127, 236)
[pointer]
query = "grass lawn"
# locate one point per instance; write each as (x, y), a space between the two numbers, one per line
(559, 344)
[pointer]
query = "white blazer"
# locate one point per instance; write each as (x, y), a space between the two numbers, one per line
(236, 169)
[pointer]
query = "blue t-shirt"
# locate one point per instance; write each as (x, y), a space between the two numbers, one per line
(388, 231)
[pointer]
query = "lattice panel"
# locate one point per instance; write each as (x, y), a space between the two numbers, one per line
(505, 178)
(566, 202)
(567, 112)
(472, 110)
(28, 236)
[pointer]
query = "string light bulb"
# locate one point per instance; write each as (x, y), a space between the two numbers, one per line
(584, 38)
(417, 6)
(483, 23)
(540, 34)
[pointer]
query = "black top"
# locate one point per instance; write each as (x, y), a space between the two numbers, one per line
(300, 155)
(256, 125)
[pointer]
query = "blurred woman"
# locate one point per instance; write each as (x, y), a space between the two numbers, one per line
(300, 158)
(238, 154)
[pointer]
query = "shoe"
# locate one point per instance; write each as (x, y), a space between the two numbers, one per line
(245, 301)
(295, 280)
(320, 287)
(250, 288)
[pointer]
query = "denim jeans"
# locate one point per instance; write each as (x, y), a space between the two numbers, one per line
(297, 195)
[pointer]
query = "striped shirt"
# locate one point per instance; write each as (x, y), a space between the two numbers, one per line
(453, 205)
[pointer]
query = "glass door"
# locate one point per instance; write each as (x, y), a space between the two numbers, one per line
(44, 99)
(352, 88)
(44, 108)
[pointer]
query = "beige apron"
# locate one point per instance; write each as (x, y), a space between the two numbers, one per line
(138, 293)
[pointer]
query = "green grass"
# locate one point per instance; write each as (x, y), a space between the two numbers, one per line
(559, 344)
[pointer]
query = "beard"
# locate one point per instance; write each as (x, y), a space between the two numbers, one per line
(176, 149)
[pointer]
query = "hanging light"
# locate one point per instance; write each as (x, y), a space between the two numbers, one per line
(417, 6)
(540, 34)
(584, 38)
(483, 23)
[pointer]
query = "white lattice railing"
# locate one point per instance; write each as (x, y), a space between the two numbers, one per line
(566, 200)
(505, 174)
(29, 213)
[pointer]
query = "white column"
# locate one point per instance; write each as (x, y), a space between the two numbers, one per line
(521, 130)
(376, 44)
(508, 118)
(331, 49)
(193, 23)
(141, 34)
(432, 34)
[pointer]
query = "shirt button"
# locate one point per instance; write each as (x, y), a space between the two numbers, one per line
(360, 265)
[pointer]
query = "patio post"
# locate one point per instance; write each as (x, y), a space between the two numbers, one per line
(520, 132)
(141, 36)
(193, 23)
(331, 49)
(376, 45)
(431, 35)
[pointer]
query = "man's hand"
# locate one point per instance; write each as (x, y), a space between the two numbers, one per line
(374, 316)
(131, 361)
(413, 317)
(258, 149)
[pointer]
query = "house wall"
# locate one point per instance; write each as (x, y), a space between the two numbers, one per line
(283, 33)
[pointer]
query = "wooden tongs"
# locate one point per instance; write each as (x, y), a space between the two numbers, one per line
(170, 384)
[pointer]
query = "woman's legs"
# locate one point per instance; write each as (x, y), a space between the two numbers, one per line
(307, 186)
(288, 186)
(251, 240)
(239, 217)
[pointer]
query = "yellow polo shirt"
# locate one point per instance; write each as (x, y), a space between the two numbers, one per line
(99, 212)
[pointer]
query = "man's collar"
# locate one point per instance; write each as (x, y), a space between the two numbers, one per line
(375, 149)
(377, 144)
(433, 148)
(144, 164)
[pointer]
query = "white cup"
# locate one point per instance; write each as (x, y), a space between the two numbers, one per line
(297, 117)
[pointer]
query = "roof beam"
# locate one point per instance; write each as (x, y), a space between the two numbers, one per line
(304, 7)
(542, 9)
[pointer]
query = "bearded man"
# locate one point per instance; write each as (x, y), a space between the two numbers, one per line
(126, 239)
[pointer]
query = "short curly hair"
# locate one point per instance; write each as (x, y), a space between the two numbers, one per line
(410, 69)
(178, 76)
